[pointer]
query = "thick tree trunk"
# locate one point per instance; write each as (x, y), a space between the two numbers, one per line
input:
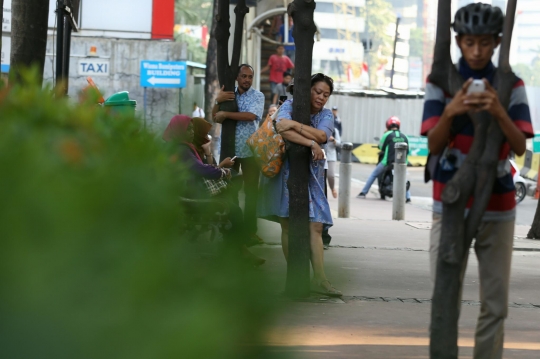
(475, 178)
(28, 36)
(227, 73)
(534, 232)
(300, 156)
(211, 83)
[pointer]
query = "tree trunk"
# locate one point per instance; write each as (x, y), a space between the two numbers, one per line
(299, 156)
(227, 73)
(474, 178)
(28, 36)
(534, 232)
(211, 83)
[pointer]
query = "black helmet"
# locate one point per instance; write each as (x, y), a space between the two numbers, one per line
(479, 19)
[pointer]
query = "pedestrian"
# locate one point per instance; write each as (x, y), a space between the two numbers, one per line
(181, 132)
(250, 110)
(197, 111)
(280, 90)
(290, 50)
(278, 63)
(337, 125)
(386, 145)
(274, 201)
(272, 109)
(451, 140)
(334, 142)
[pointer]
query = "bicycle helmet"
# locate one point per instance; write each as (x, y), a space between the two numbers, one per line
(479, 19)
(393, 122)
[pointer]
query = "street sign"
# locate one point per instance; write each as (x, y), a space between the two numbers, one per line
(6, 16)
(93, 67)
(5, 53)
(536, 143)
(418, 146)
(163, 74)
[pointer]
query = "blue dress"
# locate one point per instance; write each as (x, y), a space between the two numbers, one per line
(273, 199)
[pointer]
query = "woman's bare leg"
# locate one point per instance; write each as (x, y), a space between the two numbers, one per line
(285, 236)
(317, 251)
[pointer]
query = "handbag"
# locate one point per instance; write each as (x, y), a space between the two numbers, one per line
(267, 147)
(215, 186)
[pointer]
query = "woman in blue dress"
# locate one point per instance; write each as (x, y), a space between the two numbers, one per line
(273, 201)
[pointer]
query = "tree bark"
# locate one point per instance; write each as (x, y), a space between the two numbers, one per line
(211, 83)
(299, 156)
(227, 73)
(534, 232)
(28, 36)
(475, 178)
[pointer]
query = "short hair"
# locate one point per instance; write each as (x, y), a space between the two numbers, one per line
(320, 77)
(244, 65)
(279, 45)
(287, 73)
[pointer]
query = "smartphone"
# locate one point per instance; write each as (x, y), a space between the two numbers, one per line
(282, 98)
(477, 86)
(232, 159)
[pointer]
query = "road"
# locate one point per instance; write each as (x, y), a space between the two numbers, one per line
(360, 172)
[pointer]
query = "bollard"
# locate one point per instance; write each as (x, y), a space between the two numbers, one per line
(400, 180)
(345, 171)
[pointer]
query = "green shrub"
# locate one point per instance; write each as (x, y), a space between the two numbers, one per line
(91, 261)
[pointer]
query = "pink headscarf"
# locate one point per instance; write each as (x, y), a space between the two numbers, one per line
(176, 130)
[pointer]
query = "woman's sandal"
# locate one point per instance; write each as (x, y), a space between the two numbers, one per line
(328, 289)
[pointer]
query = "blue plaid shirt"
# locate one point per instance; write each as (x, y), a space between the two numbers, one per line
(250, 101)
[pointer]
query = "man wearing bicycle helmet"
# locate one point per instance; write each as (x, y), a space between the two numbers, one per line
(450, 135)
(386, 145)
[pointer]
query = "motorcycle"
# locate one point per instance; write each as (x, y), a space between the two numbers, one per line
(519, 182)
(385, 180)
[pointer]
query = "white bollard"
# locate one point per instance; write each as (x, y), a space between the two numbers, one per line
(345, 172)
(400, 182)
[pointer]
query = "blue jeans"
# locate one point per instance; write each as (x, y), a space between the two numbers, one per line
(373, 176)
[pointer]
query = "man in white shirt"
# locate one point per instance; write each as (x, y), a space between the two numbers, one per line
(197, 111)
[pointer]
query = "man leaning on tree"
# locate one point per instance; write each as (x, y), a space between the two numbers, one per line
(250, 110)
(479, 27)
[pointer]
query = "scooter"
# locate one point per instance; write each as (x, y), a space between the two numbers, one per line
(519, 182)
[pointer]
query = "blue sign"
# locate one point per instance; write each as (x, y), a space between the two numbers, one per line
(163, 74)
(4, 68)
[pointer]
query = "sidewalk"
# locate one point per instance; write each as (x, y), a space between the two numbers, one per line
(382, 267)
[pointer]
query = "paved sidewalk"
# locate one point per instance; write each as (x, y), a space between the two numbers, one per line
(382, 267)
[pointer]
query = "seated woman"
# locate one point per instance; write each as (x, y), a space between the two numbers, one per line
(274, 194)
(181, 131)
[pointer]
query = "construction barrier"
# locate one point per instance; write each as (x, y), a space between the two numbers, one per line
(369, 153)
(529, 164)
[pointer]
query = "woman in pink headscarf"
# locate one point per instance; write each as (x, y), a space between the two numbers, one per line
(180, 130)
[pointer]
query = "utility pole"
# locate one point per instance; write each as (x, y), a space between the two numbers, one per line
(66, 23)
(396, 36)
(299, 156)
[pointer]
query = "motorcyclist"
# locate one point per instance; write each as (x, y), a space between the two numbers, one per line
(386, 145)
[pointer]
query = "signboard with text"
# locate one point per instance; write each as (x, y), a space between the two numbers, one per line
(6, 16)
(93, 67)
(163, 74)
(418, 146)
(5, 53)
(536, 143)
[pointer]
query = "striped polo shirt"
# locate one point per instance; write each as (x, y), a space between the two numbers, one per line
(501, 206)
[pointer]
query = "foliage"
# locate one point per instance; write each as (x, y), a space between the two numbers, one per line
(193, 12)
(379, 15)
(196, 52)
(529, 74)
(92, 264)
(416, 42)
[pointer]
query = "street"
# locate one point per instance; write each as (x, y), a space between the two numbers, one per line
(382, 267)
(360, 172)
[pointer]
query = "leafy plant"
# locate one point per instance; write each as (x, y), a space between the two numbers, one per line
(92, 264)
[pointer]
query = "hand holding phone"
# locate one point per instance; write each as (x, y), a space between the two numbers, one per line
(477, 86)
